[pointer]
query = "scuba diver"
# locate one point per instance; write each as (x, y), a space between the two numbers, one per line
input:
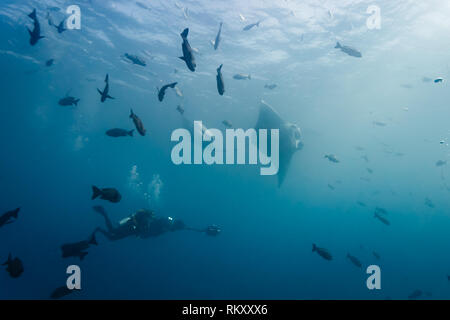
(144, 224)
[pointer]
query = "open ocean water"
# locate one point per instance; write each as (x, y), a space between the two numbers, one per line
(383, 118)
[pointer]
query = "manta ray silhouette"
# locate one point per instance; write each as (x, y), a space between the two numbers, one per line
(289, 133)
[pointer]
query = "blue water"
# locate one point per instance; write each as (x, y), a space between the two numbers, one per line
(51, 155)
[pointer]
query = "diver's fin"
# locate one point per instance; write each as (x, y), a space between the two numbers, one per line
(185, 33)
(95, 192)
(130, 133)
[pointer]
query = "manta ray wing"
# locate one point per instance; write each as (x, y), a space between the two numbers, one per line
(270, 119)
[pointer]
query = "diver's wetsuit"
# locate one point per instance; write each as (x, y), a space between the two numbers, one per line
(141, 224)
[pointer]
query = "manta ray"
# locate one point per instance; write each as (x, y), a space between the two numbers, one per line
(289, 134)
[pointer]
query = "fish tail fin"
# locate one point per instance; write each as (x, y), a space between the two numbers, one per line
(182, 58)
(95, 192)
(109, 97)
(100, 91)
(93, 240)
(219, 68)
(7, 261)
(314, 247)
(82, 255)
(16, 213)
(257, 24)
(185, 33)
(172, 85)
(130, 133)
(30, 32)
(76, 102)
(338, 45)
(33, 14)
(131, 113)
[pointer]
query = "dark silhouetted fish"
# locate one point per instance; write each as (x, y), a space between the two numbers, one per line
(270, 86)
(78, 249)
(180, 109)
(332, 158)
(241, 76)
(61, 292)
(68, 101)
(60, 27)
(382, 219)
(109, 194)
(227, 123)
(35, 35)
(7, 217)
(250, 26)
(441, 163)
(216, 42)
(116, 132)
(324, 253)
(188, 54)
(135, 59)
(105, 93)
(49, 62)
(138, 123)
(348, 50)
(220, 83)
(162, 91)
(354, 260)
(331, 187)
(13, 266)
(415, 294)
(379, 123)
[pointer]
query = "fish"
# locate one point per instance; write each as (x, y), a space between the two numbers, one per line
(188, 54)
(60, 26)
(216, 42)
(35, 35)
(178, 92)
(369, 170)
(227, 123)
(135, 59)
(324, 253)
(68, 101)
(348, 50)
(14, 266)
(250, 26)
(415, 294)
(354, 260)
(379, 123)
(382, 219)
(180, 109)
(7, 217)
(331, 187)
(290, 136)
(105, 93)
(109, 194)
(270, 86)
(241, 76)
(116, 132)
(332, 158)
(162, 91)
(62, 292)
(78, 249)
(49, 62)
(441, 163)
(219, 79)
(138, 123)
